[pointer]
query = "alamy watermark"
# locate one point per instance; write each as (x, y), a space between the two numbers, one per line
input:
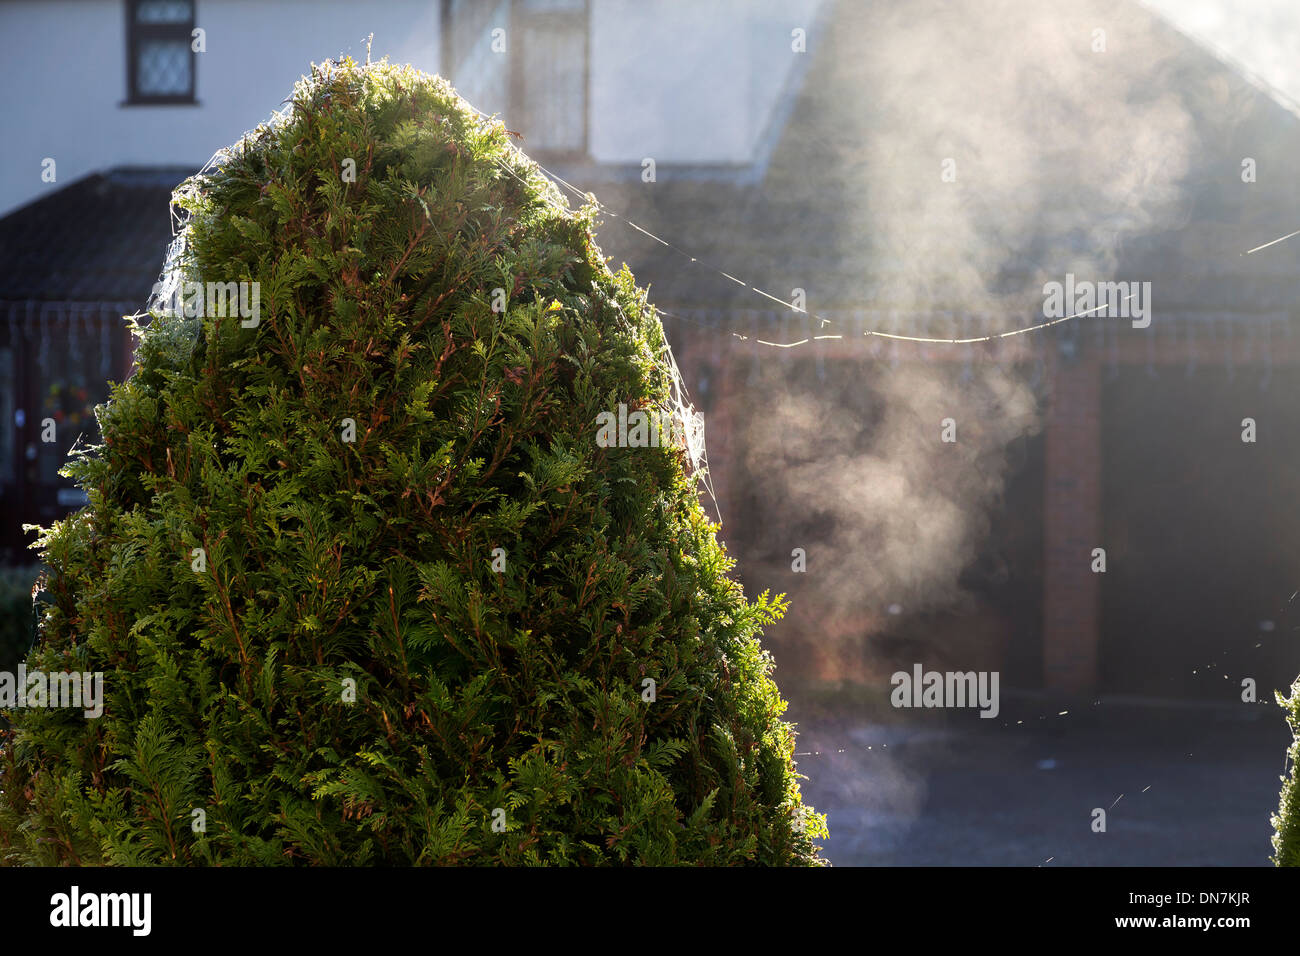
(639, 429)
(61, 689)
(923, 688)
(219, 299)
(1117, 300)
(75, 908)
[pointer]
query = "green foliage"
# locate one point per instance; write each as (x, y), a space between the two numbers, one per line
(330, 562)
(1286, 822)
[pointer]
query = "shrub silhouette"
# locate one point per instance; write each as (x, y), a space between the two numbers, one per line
(363, 585)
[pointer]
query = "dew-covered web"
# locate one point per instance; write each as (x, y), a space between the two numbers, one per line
(178, 263)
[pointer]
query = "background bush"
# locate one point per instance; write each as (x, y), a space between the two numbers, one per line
(17, 615)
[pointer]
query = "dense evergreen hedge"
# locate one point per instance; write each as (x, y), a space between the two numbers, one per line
(387, 484)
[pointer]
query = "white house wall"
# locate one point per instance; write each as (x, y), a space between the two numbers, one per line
(679, 81)
(64, 72)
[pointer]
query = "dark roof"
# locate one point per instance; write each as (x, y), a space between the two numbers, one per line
(102, 238)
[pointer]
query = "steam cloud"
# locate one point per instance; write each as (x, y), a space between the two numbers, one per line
(1061, 152)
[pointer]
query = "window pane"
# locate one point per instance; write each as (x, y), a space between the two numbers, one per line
(551, 6)
(555, 94)
(480, 75)
(163, 68)
(164, 11)
(71, 382)
(8, 393)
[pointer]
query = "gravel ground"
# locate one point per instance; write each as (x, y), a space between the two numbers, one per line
(1198, 785)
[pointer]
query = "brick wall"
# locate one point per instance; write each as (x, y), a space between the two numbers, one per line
(1072, 526)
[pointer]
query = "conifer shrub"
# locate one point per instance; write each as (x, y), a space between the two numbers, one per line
(363, 585)
(1286, 822)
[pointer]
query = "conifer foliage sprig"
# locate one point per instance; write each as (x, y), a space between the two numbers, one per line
(1286, 821)
(362, 584)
